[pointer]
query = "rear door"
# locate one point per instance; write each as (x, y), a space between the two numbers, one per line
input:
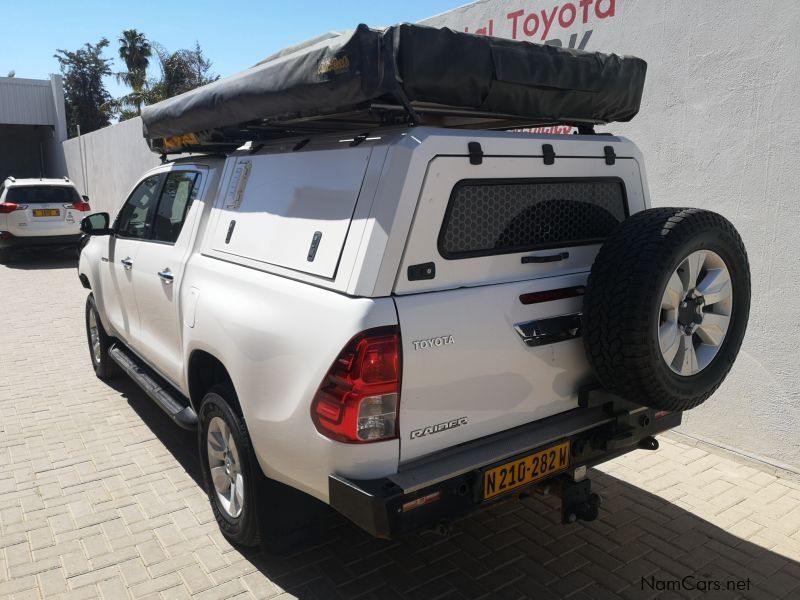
(490, 289)
(159, 268)
(44, 210)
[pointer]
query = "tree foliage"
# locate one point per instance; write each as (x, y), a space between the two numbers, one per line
(181, 71)
(88, 103)
(135, 51)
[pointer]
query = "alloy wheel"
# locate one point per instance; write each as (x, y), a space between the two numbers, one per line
(226, 472)
(695, 312)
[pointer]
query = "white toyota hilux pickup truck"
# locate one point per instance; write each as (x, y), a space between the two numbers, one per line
(415, 322)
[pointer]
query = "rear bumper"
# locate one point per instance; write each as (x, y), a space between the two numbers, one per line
(450, 483)
(9, 240)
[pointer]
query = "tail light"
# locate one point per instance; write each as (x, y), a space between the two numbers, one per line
(81, 206)
(358, 400)
(8, 207)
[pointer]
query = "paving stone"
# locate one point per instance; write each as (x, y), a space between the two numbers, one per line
(103, 502)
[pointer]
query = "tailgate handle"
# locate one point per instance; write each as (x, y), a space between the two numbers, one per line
(542, 332)
(545, 259)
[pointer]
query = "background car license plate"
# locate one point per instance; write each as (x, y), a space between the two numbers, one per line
(46, 212)
(525, 470)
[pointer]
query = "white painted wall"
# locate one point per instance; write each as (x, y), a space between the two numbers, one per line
(720, 129)
(106, 163)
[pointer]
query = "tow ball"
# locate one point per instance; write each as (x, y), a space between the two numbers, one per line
(578, 503)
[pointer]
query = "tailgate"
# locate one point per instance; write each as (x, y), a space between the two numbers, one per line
(489, 292)
(468, 371)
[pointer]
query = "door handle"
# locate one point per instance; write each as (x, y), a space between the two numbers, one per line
(127, 263)
(545, 259)
(166, 276)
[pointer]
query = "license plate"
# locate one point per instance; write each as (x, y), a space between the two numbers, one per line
(523, 471)
(46, 212)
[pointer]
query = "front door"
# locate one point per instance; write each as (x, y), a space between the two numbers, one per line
(131, 228)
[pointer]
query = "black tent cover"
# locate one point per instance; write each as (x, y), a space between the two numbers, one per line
(404, 73)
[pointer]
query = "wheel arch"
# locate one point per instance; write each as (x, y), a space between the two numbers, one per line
(204, 371)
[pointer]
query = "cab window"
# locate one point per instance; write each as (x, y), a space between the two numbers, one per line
(135, 218)
(180, 190)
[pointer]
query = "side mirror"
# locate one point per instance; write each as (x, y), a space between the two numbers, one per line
(96, 224)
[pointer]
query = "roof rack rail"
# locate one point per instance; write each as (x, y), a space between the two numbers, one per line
(66, 178)
(368, 117)
(11, 178)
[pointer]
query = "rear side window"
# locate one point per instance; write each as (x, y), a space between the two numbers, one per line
(42, 194)
(490, 217)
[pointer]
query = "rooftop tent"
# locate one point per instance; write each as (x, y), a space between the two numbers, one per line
(367, 78)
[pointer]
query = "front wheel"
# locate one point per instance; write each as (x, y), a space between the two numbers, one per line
(99, 343)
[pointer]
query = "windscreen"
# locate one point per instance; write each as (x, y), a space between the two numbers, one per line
(43, 194)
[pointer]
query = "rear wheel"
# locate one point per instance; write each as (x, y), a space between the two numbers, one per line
(229, 467)
(666, 307)
(250, 508)
(99, 343)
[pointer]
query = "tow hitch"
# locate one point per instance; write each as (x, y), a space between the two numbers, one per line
(578, 503)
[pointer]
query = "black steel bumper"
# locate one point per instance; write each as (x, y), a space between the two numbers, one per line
(8, 240)
(450, 483)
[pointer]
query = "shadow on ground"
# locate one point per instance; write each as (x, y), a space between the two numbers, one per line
(35, 259)
(641, 547)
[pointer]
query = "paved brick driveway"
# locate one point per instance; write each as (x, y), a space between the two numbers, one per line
(99, 497)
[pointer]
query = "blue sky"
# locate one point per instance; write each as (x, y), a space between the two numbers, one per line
(233, 35)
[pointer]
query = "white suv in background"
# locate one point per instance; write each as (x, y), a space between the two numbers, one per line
(39, 212)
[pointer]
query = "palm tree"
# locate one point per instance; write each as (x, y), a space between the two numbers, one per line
(135, 52)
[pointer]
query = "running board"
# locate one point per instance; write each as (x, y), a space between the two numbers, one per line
(183, 415)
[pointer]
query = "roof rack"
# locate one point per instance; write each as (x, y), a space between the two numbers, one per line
(368, 118)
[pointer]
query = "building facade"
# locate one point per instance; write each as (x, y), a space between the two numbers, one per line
(32, 127)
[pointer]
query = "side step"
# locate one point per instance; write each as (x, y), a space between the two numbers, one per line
(169, 401)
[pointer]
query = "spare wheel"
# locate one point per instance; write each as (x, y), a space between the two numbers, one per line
(666, 307)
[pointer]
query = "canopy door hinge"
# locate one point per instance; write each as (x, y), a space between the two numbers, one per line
(611, 156)
(475, 153)
(548, 154)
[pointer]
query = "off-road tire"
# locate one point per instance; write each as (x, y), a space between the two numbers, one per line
(103, 365)
(221, 401)
(622, 305)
